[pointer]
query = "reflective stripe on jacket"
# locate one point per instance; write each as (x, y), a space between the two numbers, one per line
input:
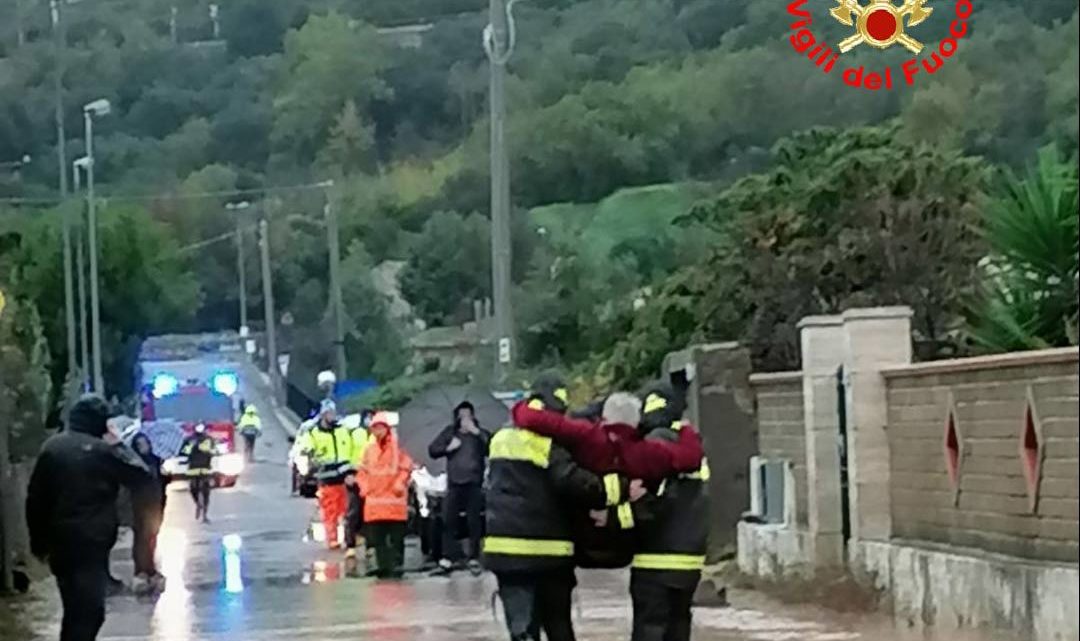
(673, 528)
(332, 451)
(384, 480)
(533, 487)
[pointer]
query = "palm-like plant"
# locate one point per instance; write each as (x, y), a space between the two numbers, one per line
(1029, 298)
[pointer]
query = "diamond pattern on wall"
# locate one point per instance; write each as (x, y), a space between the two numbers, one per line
(1031, 450)
(953, 448)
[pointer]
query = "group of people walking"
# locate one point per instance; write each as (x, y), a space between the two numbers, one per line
(622, 486)
(621, 483)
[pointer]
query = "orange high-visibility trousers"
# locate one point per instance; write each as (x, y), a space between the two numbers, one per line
(332, 503)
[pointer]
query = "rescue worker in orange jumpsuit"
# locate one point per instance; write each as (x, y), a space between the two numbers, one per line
(384, 484)
(331, 446)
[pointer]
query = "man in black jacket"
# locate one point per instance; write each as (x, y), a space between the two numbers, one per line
(465, 445)
(71, 511)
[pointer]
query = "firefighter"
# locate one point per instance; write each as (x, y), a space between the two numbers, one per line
(331, 447)
(384, 485)
(199, 449)
(533, 487)
(250, 428)
(672, 529)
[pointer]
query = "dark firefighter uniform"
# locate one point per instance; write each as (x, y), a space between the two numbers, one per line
(533, 487)
(332, 448)
(200, 449)
(672, 526)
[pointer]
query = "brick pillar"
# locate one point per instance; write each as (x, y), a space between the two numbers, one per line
(822, 343)
(721, 404)
(875, 338)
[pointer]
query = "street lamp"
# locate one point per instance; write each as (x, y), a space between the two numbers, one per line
(237, 208)
(17, 164)
(77, 167)
(95, 109)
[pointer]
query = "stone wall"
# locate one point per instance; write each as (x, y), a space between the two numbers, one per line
(781, 429)
(721, 404)
(984, 453)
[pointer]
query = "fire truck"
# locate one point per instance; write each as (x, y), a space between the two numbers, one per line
(173, 403)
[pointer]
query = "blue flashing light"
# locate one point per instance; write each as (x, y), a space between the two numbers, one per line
(165, 385)
(226, 383)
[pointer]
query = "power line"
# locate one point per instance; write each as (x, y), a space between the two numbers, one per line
(173, 196)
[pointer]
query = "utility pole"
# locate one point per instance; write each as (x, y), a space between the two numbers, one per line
(498, 44)
(98, 107)
(59, 42)
(80, 267)
(241, 274)
(334, 250)
(172, 25)
(268, 308)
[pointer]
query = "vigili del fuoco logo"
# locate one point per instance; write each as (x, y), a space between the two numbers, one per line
(881, 24)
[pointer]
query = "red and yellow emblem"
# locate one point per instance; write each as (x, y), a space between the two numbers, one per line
(880, 23)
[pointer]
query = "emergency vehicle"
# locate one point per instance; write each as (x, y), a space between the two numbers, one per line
(171, 408)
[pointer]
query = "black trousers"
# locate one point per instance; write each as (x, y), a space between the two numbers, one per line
(83, 586)
(249, 446)
(354, 516)
(388, 540)
(468, 498)
(662, 612)
(200, 491)
(535, 601)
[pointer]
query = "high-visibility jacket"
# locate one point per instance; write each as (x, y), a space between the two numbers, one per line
(672, 523)
(533, 488)
(200, 450)
(249, 423)
(361, 439)
(332, 452)
(384, 480)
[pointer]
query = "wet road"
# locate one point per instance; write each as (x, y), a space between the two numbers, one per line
(277, 586)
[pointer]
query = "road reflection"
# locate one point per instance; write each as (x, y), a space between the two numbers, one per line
(172, 613)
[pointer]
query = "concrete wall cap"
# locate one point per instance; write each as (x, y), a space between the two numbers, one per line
(993, 361)
(765, 378)
(875, 313)
(820, 321)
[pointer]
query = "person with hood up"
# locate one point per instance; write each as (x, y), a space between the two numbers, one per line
(71, 511)
(331, 445)
(148, 504)
(384, 485)
(464, 444)
(671, 527)
(533, 487)
(200, 448)
(250, 428)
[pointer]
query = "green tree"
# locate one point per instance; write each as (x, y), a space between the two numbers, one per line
(145, 288)
(449, 265)
(1030, 294)
(327, 63)
(351, 142)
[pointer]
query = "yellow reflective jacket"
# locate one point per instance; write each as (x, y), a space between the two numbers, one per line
(332, 451)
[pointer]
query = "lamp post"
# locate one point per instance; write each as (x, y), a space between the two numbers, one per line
(236, 208)
(97, 108)
(80, 275)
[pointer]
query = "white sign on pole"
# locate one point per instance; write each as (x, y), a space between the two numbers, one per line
(283, 364)
(243, 331)
(504, 350)
(249, 346)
